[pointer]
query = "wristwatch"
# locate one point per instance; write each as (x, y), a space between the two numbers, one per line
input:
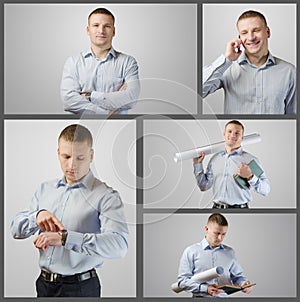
(88, 94)
(63, 234)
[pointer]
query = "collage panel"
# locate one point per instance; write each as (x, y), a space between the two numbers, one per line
(32, 158)
(172, 182)
(153, 71)
(149, 127)
(262, 77)
(264, 246)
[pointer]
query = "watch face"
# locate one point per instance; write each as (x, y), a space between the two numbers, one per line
(88, 94)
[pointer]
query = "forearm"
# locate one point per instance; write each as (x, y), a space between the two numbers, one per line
(24, 225)
(212, 75)
(260, 184)
(204, 180)
(122, 99)
(106, 245)
(75, 103)
(191, 286)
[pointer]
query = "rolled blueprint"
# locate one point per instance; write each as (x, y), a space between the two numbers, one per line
(201, 277)
(213, 148)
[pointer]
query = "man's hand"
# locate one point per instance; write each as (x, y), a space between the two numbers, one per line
(123, 87)
(244, 171)
(46, 239)
(247, 290)
(230, 53)
(213, 290)
(199, 160)
(48, 222)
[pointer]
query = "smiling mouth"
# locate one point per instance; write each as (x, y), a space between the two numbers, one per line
(251, 44)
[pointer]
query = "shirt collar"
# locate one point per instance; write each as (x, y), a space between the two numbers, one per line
(206, 246)
(243, 59)
(238, 151)
(87, 181)
(111, 52)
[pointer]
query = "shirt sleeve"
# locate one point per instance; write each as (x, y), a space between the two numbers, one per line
(260, 184)
(123, 99)
(185, 273)
(236, 272)
(24, 224)
(212, 75)
(70, 92)
(291, 98)
(204, 180)
(112, 241)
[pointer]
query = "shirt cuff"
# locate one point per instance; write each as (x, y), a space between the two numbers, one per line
(74, 240)
(203, 288)
(253, 180)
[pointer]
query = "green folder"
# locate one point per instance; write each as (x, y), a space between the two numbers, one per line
(256, 170)
(230, 289)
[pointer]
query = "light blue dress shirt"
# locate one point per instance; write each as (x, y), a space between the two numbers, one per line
(248, 89)
(219, 175)
(200, 257)
(86, 73)
(93, 214)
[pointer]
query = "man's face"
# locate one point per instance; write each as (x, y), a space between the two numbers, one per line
(101, 30)
(75, 159)
(233, 136)
(215, 234)
(254, 35)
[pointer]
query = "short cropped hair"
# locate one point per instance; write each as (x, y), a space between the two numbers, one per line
(252, 14)
(218, 219)
(101, 10)
(76, 133)
(235, 122)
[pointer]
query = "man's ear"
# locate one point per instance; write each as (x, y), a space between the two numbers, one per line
(268, 32)
(92, 154)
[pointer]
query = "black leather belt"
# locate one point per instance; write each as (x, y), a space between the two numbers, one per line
(52, 277)
(227, 206)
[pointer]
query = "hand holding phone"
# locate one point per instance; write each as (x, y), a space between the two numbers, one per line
(233, 50)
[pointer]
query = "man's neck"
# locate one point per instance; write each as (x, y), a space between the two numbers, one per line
(100, 52)
(257, 60)
(230, 150)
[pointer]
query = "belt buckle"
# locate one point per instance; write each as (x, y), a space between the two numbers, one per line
(53, 277)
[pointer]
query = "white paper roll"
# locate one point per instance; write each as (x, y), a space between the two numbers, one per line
(213, 148)
(201, 277)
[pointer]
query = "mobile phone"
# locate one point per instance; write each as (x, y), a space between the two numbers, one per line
(238, 49)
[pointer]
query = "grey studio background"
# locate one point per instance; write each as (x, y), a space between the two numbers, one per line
(172, 185)
(281, 19)
(265, 245)
(161, 37)
(31, 158)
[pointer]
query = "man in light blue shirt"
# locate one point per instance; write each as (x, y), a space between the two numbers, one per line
(222, 168)
(209, 253)
(80, 221)
(254, 81)
(100, 80)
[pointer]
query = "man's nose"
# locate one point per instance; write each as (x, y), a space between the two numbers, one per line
(250, 35)
(71, 163)
(101, 28)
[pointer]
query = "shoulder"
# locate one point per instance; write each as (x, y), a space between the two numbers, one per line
(82, 56)
(228, 249)
(124, 57)
(192, 249)
(48, 185)
(284, 66)
(216, 156)
(248, 156)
